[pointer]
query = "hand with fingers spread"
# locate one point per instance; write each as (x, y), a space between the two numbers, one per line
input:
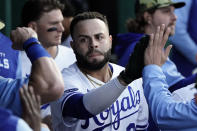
(136, 64)
(31, 107)
(20, 35)
(155, 53)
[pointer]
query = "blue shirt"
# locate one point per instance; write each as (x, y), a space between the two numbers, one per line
(125, 46)
(166, 112)
(184, 52)
(9, 94)
(9, 122)
(9, 59)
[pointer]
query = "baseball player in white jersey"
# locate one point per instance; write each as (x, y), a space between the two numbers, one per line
(63, 53)
(128, 112)
(99, 95)
(45, 18)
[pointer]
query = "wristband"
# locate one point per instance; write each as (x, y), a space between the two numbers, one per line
(28, 42)
(34, 50)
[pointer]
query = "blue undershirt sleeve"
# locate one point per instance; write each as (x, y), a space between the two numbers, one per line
(74, 107)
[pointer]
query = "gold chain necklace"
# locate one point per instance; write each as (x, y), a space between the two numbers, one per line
(93, 82)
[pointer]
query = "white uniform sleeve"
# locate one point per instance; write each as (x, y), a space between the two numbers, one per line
(185, 93)
(22, 126)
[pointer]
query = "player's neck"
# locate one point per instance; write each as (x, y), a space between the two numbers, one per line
(104, 74)
(53, 50)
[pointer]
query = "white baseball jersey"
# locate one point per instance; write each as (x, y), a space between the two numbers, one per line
(65, 57)
(128, 113)
(185, 93)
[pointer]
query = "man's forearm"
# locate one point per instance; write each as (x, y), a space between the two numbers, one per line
(46, 79)
(166, 112)
(45, 76)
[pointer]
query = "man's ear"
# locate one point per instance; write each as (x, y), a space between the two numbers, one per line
(72, 44)
(33, 25)
(110, 38)
(147, 17)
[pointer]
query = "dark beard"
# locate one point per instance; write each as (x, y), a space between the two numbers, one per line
(83, 63)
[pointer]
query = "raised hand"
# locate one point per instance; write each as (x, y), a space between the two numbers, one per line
(155, 53)
(143, 55)
(31, 107)
(20, 35)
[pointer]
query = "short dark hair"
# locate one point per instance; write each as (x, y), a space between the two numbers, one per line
(33, 9)
(69, 9)
(86, 16)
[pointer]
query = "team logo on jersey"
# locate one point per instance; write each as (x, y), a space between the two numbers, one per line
(125, 104)
(4, 62)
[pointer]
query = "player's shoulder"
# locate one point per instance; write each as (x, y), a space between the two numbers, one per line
(71, 70)
(116, 69)
(73, 77)
(62, 48)
(72, 73)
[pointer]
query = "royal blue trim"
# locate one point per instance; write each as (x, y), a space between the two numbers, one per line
(184, 82)
(71, 90)
(67, 96)
(111, 68)
(44, 106)
(74, 107)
